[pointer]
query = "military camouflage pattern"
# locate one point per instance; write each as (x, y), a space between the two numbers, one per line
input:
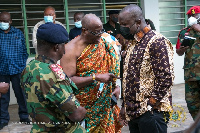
(192, 97)
(181, 36)
(192, 75)
(192, 58)
(50, 98)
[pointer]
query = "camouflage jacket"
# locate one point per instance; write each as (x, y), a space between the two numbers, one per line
(192, 58)
(183, 32)
(50, 98)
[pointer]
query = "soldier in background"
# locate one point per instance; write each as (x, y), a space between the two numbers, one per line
(49, 92)
(192, 60)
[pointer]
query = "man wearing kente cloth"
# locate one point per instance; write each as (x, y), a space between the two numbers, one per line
(92, 64)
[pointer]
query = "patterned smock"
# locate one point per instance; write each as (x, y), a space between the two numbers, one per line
(148, 73)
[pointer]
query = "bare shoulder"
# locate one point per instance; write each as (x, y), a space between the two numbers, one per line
(70, 48)
(68, 61)
(74, 47)
(71, 45)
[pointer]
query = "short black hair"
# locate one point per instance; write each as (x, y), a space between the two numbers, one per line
(148, 21)
(43, 45)
(79, 13)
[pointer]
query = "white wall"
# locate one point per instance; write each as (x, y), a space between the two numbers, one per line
(151, 11)
(178, 68)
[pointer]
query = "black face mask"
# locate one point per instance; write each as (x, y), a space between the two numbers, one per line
(125, 32)
(114, 19)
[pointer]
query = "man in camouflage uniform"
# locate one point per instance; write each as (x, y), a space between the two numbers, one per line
(49, 92)
(192, 63)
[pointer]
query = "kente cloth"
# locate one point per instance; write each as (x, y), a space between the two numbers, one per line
(99, 58)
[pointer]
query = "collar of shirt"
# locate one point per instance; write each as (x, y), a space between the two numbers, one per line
(44, 59)
(77, 28)
(138, 36)
(11, 30)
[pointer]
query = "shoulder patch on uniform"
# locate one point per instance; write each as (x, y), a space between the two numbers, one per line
(57, 69)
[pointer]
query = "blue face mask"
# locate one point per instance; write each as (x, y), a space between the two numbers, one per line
(4, 26)
(78, 24)
(48, 19)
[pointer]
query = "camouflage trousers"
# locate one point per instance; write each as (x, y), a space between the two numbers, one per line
(192, 97)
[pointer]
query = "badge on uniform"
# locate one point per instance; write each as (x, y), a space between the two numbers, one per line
(58, 70)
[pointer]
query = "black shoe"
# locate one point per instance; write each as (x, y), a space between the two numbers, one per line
(26, 121)
(2, 125)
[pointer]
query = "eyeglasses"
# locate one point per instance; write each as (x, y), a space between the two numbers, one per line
(95, 33)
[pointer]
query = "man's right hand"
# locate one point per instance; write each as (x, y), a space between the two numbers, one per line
(4, 87)
(105, 78)
(122, 119)
(181, 50)
(122, 113)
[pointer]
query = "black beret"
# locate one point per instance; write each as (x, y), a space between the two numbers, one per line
(53, 33)
(113, 12)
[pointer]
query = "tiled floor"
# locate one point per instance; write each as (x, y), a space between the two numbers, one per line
(178, 95)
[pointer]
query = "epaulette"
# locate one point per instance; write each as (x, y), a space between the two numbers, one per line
(58, 70)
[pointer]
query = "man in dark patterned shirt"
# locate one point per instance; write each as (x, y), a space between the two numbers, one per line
(148, 74)
(13, 56)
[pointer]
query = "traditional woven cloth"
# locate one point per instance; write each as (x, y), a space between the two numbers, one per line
(96, 97)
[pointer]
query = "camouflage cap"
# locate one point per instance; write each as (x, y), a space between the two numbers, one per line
(53, 33)
(193, 10)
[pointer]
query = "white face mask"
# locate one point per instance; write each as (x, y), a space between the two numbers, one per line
(4, 26)
(191, 21)
(78, 24)
(48, 19)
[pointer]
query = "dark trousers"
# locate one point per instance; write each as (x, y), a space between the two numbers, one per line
(149, 122)
(192, 97)
(5, 98)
